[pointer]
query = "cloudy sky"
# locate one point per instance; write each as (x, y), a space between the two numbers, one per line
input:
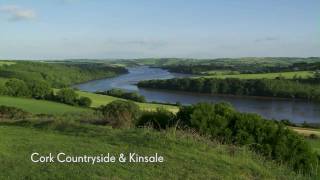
(61, 29)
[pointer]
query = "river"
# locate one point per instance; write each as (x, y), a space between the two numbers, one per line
(296, 111)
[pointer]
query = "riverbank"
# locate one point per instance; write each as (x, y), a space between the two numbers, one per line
(271, 108)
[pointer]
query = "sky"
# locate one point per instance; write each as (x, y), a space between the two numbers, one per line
(99, 29)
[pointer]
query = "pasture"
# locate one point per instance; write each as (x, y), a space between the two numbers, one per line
(40, 106)
(6, 63)
(98, 100)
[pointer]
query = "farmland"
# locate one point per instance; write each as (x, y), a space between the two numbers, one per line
(286, 75)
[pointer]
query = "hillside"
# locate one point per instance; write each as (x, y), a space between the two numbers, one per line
(57, 74)
(98, 100)
(286, 75)
(40, 106)
(186, 156)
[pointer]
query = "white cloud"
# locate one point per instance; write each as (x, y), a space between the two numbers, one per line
(17, 13)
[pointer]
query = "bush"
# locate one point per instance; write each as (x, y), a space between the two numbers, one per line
(160, 119)
(84, 102)
(272, 139)
(12, 113)
(67, 96)
(210, 120)
(120, 114)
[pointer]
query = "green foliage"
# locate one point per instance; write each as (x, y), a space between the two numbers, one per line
(100, 100)
(242, 65)
(254, 87)
(125, 95)
(272, 139)
(160, 119)
(84, 102)
(16, 87)
(39, 89)
(41, 106)
(120, 114)
(12, 113)
(58, 74)
(67, 96)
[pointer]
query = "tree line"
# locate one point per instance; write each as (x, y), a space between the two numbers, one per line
(42, 90)
(281, 88)
(200, 68)
(134, 96)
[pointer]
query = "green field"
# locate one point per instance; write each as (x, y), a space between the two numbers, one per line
(287, 75)
(185, 156)
(98, 100)
(6, 63)
(48, 107)
(40, 106)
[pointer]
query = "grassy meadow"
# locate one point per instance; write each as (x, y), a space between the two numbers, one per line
(48, 107)
(6, 63)
(98, 100)
(186, 156)
(40, 106)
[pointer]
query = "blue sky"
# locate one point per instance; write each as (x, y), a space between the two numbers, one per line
(61, 29)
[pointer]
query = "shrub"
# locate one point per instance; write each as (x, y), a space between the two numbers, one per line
(272, 139)
(84, 101)
(210, 120)
(184, 116)
(120, 114)
(160, 119)
(12, 113)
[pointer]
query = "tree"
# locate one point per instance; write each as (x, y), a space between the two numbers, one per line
(208, 121)
(16, 87)
(67, 96)
(84, 102)
(120, 114)
(39, 89)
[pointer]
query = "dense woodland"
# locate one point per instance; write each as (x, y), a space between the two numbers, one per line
(58, 74)
(258, 87)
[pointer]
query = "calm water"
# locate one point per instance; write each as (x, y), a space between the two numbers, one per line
(296, 111)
